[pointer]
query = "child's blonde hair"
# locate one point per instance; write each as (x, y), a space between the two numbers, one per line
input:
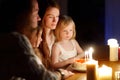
(63, 22)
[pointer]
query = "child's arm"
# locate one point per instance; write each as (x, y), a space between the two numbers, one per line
(79, 50)
(55, 58)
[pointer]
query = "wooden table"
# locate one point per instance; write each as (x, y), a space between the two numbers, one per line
(115, 65)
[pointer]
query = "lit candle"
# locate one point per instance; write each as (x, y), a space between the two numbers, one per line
(91, 69)
(105, 73)
(90, 53)
(113, 46)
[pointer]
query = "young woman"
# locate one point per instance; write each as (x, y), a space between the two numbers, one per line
(66, 49)
(49, 13)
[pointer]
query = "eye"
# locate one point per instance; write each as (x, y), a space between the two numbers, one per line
(50, 16)
(64, 30)
(57, 16)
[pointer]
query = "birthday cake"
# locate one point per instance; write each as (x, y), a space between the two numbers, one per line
(79, 64)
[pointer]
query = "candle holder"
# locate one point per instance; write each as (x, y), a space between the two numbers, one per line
(92, 66)
(113, 48)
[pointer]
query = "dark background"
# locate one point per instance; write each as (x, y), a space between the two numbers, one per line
(96, 20)
(89, 17)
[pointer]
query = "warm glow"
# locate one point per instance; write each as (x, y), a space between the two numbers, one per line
(105, 73)
(90, 52)
(92, 62)
(112, 42)
(113, 49)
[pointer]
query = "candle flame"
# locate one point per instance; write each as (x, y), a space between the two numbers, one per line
(91, 50)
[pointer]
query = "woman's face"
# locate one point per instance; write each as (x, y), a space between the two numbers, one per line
(51, 18)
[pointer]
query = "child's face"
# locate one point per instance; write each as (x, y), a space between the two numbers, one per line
(67, 32)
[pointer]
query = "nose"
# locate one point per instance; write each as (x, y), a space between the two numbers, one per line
(67, 32)
(40, 39)
(38, 18)
(55, 19)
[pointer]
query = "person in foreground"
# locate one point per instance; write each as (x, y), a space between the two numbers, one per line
(17, 57)
(66, 49)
